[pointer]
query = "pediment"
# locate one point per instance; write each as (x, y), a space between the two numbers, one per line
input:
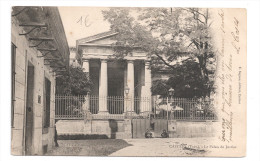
(102, 38)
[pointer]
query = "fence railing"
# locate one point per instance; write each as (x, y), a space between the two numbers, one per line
(78, 107)
(185, 109)
(120, 107)
(69, 107)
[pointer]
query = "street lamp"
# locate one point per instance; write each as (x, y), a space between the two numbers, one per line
(127, 90)
(170, 93)
(126, 93)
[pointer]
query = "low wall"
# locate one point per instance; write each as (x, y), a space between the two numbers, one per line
(122, 129)
(114, 129)
(189, 129)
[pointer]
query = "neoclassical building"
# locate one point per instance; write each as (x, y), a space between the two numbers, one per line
(120, 104)
(128, 78)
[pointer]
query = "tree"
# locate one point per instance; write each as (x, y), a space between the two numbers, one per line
(74, 82)
(169, 36)
(185, 80)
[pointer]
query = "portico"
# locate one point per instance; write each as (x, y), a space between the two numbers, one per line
(110, 80)
(119, 86)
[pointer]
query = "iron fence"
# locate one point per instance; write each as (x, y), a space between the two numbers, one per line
(185, 109)
(120, 107)
(69, 107)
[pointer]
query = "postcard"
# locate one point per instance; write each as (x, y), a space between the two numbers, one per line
(121, 81)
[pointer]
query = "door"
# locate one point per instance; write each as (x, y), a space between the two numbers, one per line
(159, 126)
(29, 110)
(139, 127)
(115, 90)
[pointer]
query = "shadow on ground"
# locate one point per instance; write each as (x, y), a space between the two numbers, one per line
(98, 147)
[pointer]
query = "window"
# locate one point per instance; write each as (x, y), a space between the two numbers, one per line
(47, 103)
(13, 55)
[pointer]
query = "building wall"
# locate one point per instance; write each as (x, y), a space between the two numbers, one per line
(24, 54)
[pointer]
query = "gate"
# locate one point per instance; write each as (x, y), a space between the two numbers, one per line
(140, 126)
(158, 125)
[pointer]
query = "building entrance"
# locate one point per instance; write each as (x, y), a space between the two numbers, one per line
(115, 90)
(29, 110)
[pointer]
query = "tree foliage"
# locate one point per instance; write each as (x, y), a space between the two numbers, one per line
(169, 36)
(74, 82)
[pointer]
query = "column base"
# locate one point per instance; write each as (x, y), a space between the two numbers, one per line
(145, 114)
(130, 114)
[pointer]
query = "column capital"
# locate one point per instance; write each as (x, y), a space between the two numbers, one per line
(103, 60)
(130, 61)
(85, 60)
(147, 62)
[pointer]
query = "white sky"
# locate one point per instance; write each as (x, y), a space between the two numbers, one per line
(74, 20)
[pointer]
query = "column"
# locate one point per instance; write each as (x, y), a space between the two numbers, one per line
(103, 87)
(86, 105)
(85, 65)
(146, 94)
(130, 84)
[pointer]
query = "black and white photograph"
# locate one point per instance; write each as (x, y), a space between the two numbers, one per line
(128, 81)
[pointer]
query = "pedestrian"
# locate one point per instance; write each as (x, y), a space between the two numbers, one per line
(55, 136)
(164, 134)
(148, 134)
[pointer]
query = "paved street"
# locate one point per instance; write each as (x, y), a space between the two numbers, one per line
(133, 147)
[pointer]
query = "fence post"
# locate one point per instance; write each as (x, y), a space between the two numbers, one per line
(167, 114)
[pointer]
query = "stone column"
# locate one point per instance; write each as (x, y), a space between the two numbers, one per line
(125, 84)
(103, 87)
(146, 103)
(131, 86)
(85, 66)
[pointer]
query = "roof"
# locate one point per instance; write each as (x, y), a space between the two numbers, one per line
(53, 31)
(97, 36)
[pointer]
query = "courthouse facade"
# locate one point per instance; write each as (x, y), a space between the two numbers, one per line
(129, 77)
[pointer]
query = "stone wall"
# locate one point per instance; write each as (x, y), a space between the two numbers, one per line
(191, 129)
(122, 129)
(25, 54)
(114, 129)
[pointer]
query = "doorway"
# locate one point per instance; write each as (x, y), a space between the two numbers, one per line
(115, 88)
(29, 110)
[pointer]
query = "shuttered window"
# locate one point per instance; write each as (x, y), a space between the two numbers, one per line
(47, 103)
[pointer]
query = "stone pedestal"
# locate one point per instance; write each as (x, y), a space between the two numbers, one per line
(127, 129)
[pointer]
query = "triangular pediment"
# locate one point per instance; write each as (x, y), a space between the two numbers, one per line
(101, 38)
